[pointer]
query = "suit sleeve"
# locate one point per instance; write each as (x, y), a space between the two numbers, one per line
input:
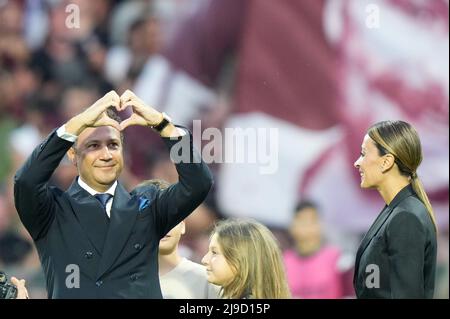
(406, 246)
(195, 180)
(32, 197)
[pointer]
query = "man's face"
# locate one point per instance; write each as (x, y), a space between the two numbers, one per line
(98, 155)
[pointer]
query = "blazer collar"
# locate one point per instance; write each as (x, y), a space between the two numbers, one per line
(92, 191)
(124, 212)
(75, 188)
(380, 220)
(405, 192)
(90, 215)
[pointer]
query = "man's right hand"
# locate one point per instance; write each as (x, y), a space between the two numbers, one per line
(95, 115)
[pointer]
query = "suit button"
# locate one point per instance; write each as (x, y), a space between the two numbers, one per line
(88, 255)
(137, 246)
(99, 283)
(134, 277)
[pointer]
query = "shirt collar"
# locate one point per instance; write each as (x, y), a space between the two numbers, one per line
(93, 192)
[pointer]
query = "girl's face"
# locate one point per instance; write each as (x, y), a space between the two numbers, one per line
(218, 271)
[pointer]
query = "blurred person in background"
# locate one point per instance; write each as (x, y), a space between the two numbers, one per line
(314, 268)
(19, 257)
(397, 257)
(245, 260)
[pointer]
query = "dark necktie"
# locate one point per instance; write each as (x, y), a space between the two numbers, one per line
(103, 199)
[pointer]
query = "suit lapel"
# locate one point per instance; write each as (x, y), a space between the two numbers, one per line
(381, 219)
(90, 215)
(370, 234)
(123, 217)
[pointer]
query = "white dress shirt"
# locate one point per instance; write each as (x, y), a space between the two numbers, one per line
(93, 192)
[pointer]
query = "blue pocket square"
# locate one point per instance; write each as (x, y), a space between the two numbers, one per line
(143, 203)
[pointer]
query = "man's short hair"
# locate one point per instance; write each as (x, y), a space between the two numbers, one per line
(304, 204)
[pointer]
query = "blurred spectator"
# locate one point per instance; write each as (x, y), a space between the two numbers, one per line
(126, 62)
(5, 216)
(19, 257)
(7, 124)
(77, 98)
(36, 125)
(13, 248)
(315, 269)
(162, 167)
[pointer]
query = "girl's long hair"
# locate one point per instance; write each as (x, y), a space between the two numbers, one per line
(253, 252)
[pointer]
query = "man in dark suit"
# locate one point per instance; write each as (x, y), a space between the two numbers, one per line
(96, 240)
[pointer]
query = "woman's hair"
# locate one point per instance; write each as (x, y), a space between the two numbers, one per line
(253, 253)
(402, 141)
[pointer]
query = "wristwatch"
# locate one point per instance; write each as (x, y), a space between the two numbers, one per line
(165, 121)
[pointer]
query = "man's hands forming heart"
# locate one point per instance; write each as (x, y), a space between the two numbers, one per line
(142, 114)
(95, 115)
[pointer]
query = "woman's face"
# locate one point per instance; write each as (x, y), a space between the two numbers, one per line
(218, 271)
(369, 164)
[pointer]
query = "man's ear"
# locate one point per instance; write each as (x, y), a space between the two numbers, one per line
(388, 162)
(71, 154)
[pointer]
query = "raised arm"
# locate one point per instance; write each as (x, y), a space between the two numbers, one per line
(195, 180)
(175, 203)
